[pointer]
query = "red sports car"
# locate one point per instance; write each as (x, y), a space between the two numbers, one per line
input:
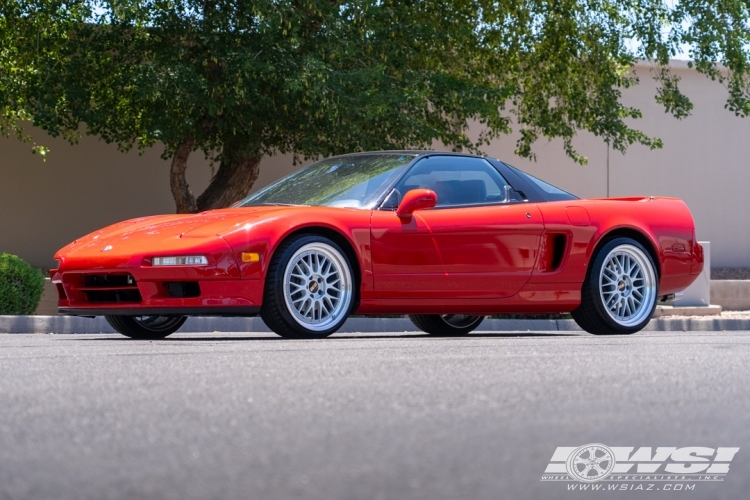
(444, 238)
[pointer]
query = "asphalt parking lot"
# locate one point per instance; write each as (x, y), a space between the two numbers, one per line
(369, 416)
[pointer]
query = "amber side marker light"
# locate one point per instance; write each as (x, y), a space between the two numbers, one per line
(250, 257)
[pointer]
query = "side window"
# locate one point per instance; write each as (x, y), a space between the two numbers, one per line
(553, 193)
(456, 180)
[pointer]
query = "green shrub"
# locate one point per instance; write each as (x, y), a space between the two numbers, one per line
(21, 286)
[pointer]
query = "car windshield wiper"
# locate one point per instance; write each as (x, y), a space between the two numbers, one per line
(281, 205)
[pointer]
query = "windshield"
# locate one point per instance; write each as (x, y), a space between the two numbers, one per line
(355, 181)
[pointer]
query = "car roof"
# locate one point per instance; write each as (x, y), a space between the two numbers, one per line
(416, 152)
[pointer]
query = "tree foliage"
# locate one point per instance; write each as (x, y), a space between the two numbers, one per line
(243, 79)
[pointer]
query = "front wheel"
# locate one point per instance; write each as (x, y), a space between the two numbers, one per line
(146, 327)
(446, 325)
(309, 289)
(620, 291)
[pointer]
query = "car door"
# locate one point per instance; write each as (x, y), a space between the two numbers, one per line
(474, 244)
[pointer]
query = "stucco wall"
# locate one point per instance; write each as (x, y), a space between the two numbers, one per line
(80, 188)
(46, 205)
(705, 161)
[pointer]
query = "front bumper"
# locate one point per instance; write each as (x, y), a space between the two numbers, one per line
(137, 291)
(160, 311)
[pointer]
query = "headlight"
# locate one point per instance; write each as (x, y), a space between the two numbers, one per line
(188, 260)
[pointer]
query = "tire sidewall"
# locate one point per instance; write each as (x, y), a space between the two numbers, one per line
(434, 324)
(461, 330)
(595, 285)
(130, 327)
(277, 284)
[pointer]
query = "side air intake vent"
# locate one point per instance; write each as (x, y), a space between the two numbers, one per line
(553, 252)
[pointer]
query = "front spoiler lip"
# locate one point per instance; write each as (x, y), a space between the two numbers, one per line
(229, 311)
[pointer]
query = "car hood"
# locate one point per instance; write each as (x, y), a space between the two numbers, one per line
(164, 232)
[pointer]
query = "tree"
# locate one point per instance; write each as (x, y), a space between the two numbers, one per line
(242, 79)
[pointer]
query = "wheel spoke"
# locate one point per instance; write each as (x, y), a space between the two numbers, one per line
(635, 272)
(636, 301)
(612, 274)
(304, 268)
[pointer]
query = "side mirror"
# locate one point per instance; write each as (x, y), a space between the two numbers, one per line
(416, 199)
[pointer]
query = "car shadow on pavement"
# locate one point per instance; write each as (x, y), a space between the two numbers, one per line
(419, 336)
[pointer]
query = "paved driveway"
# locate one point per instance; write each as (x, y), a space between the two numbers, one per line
(373, 416)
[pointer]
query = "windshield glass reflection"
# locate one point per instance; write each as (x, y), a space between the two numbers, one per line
(355, 181)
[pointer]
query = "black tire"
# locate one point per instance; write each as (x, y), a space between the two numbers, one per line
(446, 325)
(146, 327)
(283, 318)
(593, 314)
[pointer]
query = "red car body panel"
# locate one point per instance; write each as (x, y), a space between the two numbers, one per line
(505, 258)
(455, 253)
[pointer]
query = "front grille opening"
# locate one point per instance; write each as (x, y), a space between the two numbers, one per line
(108, 281)
(61, 292)
(113, 296)
(110, 288)
(183, 289)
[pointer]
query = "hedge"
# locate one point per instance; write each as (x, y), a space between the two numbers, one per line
(21, 286)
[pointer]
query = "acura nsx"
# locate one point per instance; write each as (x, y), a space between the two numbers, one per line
(444, 238)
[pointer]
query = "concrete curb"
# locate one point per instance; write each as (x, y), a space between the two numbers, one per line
(73, 324)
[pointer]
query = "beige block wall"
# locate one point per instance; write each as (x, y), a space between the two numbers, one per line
(43, 206)
(705, 161)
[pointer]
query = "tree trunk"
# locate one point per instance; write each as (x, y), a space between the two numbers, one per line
(183, 197)
(231, 183)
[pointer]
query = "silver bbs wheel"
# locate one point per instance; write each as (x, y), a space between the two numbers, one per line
(317, 286)
(627, 285)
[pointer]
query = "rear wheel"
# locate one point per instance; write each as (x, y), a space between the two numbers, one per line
(146, 327)
(447, 325)
(620, 291)
(309, 289)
